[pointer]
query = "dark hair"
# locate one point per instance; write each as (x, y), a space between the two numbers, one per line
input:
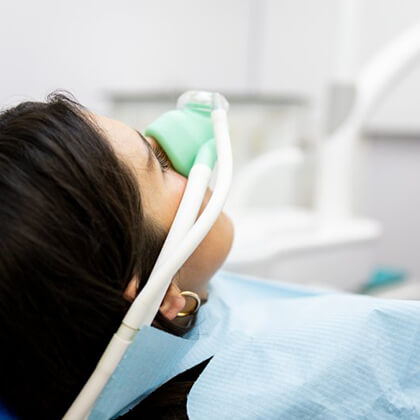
(72, 235)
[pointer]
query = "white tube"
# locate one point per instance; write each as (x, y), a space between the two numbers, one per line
(140, 313)
(104, 369)
(188, 209)
(148, 302)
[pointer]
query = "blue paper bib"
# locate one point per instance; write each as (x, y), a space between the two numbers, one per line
(281, 351)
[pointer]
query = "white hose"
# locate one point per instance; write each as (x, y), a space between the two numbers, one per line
(146, 305)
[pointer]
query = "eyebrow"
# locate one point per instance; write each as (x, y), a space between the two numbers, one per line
(149, 150)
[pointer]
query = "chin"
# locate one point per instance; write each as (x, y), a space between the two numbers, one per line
(209, 256)
(227, 234)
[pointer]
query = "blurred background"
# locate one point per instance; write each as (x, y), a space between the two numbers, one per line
(295, 73)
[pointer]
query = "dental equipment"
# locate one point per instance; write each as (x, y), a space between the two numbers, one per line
(193, 137)
(373, 83)
(312, 246)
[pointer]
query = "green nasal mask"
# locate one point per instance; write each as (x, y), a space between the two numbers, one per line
(186, 136)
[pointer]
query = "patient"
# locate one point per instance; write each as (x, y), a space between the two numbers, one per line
(86, 203)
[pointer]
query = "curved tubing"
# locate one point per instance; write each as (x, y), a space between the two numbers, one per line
(136, 316)
(188, 209)
(146, 305)
(190, 204)
(334, 192)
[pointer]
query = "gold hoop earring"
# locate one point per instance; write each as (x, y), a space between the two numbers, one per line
(192, 295)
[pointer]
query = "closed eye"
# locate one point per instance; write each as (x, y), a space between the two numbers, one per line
(155, 150)
(161, 157)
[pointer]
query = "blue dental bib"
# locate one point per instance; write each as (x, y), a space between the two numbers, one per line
(281, 351)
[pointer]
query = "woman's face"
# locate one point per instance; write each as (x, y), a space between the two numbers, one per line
(162, 189)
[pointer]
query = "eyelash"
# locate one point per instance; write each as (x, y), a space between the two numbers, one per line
(161, 157)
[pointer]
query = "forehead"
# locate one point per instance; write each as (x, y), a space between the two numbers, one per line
(124, 139)
(118, 133)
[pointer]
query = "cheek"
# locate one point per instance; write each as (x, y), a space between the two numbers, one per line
(175, 186)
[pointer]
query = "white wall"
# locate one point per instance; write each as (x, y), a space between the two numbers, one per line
(92, 46)
(82, 46)
(284, 46)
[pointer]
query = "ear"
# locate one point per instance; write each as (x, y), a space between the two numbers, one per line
(130, 291)
(173, 302)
